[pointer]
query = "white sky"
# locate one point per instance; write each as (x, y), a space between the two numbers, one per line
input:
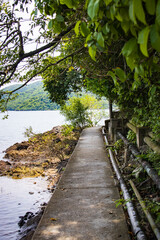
(26, 20)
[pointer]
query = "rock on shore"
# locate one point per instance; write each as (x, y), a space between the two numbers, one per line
(42, 155)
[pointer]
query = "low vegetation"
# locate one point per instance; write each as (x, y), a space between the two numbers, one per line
(132, 170)
(83, 111)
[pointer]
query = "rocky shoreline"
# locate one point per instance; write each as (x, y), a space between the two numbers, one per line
(45, 155)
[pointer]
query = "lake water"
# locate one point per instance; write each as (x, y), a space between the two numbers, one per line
(15, 199)
(12, 129)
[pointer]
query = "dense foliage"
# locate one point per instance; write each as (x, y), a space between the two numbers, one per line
(76, 113)
(60, 83)
(113, 45)
(31, 97)
(82, 111)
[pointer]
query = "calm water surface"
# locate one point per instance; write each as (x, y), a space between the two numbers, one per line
(15, 197)
(12, 129)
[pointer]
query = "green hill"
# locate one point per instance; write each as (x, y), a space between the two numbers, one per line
(31, 97)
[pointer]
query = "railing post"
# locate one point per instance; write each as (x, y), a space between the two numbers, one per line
(110, 109)
(140, 134)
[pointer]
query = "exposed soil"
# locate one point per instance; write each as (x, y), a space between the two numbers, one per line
(42, 155)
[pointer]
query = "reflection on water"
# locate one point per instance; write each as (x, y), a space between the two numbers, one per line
(18, 196)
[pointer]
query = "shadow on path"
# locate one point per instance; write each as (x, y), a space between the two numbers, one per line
(83, 205)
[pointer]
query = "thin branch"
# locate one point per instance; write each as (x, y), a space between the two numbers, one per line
(21, 48)
(32, 53)
(8, 38)
(44, 69)
(8, 42)
(40, 57)
(51, 44)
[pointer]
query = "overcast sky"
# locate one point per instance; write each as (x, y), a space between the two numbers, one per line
(26, 20)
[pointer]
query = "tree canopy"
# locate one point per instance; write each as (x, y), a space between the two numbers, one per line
(110, 47)
(83, 111)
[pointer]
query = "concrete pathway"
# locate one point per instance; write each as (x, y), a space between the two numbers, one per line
(82, 206)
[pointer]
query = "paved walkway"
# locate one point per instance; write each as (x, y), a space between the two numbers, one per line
(82, 206)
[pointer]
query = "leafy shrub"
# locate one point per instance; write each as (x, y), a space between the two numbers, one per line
(29, 132)
(76, 113)
(67, 130)
(154, 208)
(83, 111)
(154, 159)
(119, 144)
(131, 136)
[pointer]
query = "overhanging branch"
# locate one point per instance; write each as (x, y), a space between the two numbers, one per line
(23, 56)
(51, 44)
(44, 69)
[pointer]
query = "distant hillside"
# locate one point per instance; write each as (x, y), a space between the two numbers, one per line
(31, 97)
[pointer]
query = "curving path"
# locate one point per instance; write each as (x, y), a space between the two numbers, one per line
(82, 206)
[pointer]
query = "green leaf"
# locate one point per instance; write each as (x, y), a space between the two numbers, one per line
(153, 90)
(90, 8)
(50, 24)
(132, 12)
(124, 13)
(119, 17)
(95, 35)
(112, 74)
(84, 29)
(125, 26)
(130, 62)
(76, 28)
(129, 47)
(140, 70)
(100, 39)
(143, 40)
(90, 43)
(121, 74)
(48, 9)
(93, 8)
(155, 37)
(139, 12)
(68, 3)
(112, 12)
(136, 77)
(136, 82)
(57, 27)
(151, 6)
(89, 37)
(59, 18)
(101, 14)
(86, 4)
(158, 12)
(107, 2)
(106, 29)
(92, 52)
(133, 30)
(114, 33)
